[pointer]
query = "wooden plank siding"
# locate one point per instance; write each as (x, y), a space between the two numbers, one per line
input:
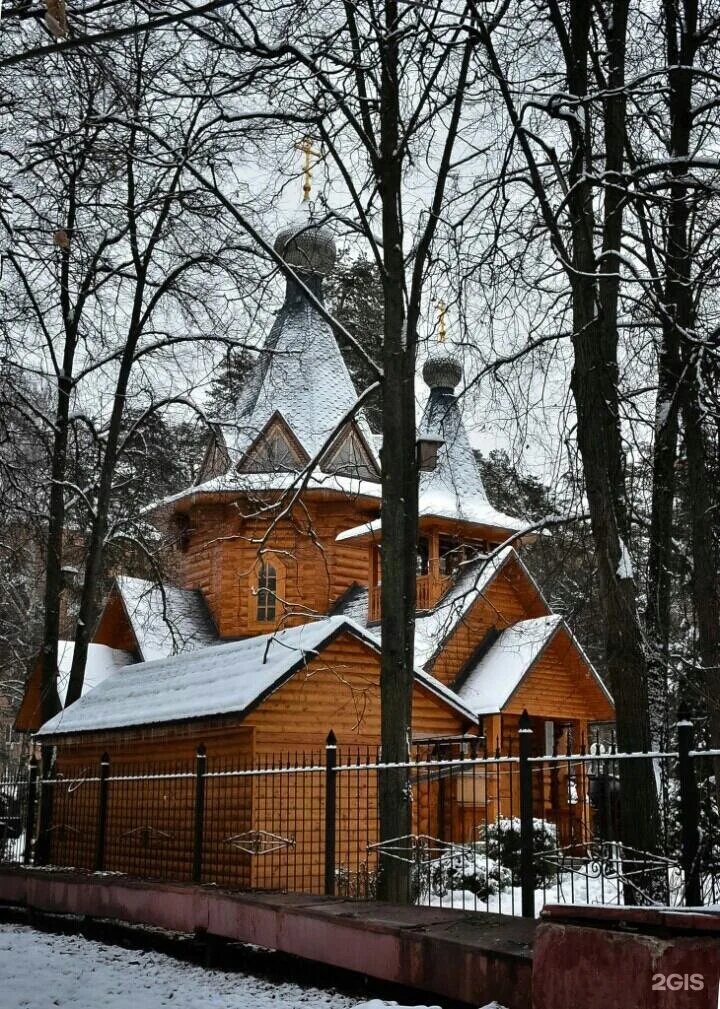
(510, 597)
(560, 685)
(150, 824)
(221, 556)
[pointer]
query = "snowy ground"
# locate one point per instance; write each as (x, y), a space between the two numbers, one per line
(41, 971)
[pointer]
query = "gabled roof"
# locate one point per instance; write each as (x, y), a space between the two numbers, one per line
(230, 678)
(432, 630)
(490, 684)
(353, 603)
(102, 662)
(165, 620)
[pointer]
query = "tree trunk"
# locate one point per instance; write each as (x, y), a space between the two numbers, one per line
(399, 496)
(682, 41)
(596, 394)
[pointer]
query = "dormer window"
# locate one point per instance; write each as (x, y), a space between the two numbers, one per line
(275, 450)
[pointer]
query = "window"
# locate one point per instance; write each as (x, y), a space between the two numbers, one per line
(451, 555)
(423, 557)
(267, 592)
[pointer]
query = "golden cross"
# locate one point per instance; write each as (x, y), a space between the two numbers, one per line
(442, 328)
(307, 149)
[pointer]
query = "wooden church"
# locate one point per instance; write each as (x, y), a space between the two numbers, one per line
(269, 635)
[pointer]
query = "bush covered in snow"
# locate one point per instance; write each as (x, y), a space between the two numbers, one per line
(466, 867)
(502, 840)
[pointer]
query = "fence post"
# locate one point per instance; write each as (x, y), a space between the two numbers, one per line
(102, 813)
(200, 767)
(330, 811)
(689, 812)
(30, 811)
(527, 868)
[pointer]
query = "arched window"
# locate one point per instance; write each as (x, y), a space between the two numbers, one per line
(267, 592)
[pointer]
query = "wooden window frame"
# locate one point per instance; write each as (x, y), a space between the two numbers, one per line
(258, 602)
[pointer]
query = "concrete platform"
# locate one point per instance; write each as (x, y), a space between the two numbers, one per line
(626, 958)
(465, 956)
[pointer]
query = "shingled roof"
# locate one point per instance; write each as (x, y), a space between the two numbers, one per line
(454, 489)
(229, 678)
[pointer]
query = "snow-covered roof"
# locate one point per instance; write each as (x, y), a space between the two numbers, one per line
(454, 489)
(434, 628)
(102, 661)
(229, 678)
(366, 529)
(353, 603)
(166, 620)
(490, 684)
(300, 374)
(233, 482)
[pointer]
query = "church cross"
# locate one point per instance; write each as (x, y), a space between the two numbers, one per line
(442, 326)
(307, 149)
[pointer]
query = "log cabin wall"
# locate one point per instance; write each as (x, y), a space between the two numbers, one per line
(221, 557)
(561, 686)
(114, 629)
(506, 601)
(150, 822)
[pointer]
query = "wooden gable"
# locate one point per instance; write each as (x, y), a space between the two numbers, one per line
(349, 455)
(561, 684)
(276, 449)
(216, 460)
(114, 628)
(512, 595)
(340, 690)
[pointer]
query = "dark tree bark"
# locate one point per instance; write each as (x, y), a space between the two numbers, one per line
(594, 282)
(683, 39)
(399, 485)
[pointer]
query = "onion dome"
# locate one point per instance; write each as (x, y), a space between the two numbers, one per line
(307, 247)
(442, 370)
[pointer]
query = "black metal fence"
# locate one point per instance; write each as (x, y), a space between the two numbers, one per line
(490, 831)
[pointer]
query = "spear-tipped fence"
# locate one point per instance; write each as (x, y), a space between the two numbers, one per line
(493, 829)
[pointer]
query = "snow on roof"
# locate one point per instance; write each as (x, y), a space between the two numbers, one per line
(166, 620)
(353, 603)
(102, 661)
(432, 630)
(222, 679)
(444, 692)
(367, 528)
(496, 676)
(454, 489)
(260, 483)
(301, 374)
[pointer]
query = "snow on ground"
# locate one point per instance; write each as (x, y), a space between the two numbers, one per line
(568, 888)
(41, 971)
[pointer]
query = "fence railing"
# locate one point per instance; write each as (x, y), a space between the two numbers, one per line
(490, 831)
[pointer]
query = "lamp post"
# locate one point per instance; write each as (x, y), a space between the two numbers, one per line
(428, 447)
